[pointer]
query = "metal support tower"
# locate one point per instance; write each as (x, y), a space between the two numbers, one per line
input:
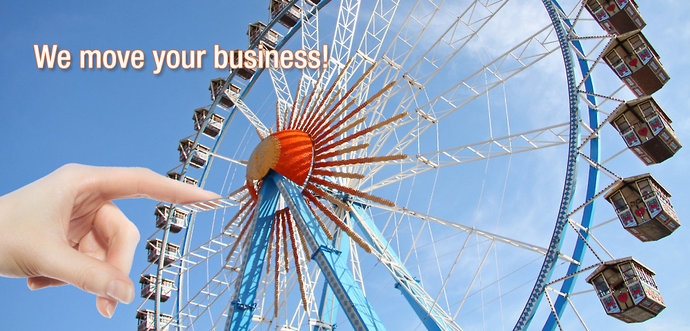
(242, 305)
(328, 311)
(429, 313)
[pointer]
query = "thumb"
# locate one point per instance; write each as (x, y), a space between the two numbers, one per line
(87, 273)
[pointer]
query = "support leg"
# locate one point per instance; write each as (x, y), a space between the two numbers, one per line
(431, 315)
(242, 305)
(327, 309)
(361, 315)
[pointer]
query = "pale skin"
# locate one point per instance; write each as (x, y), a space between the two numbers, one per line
(64, 229)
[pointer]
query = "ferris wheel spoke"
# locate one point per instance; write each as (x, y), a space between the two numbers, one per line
(474, 279)
(208, 250)
(310, 40)
(426, 308)
(500, 70)
(233, 199)
(465, 228)
(532, 140)
(588, 53)
(520, 57)
(231, 160)
(205, 297)
(466, 27)
(375, 33)
(282, 90)
(446, 47)
(207, 205)
(577, 313)
(410, 33)
(261, 129)
(342, 41)
(401, 47)
(219, 321)
(590, 235)
(214, 245)
(370, 45)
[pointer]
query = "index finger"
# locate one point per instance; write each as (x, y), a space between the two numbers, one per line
(122, 182)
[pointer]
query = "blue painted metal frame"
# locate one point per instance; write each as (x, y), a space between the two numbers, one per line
(422, 312)
(328, 312)
(350, 296)
(243, 300)
(570, 175)
(592, 182)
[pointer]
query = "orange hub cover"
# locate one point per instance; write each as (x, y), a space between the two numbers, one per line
(289, 152)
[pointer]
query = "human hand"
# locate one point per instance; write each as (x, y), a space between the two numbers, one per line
(63, 228)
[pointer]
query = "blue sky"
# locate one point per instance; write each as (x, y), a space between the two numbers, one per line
(133, 118)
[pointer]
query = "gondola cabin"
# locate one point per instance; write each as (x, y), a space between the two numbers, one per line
(198, 155)
(172, 253)
(146, 320)
(646, 129)
(291, 17)
(242, 72)
(643, 207)
(214, 125)
(270, 39)
(176, 176)
(178, 221)
(215, 87)
(616, 17)
(627, 290)
(636, 63)
(148, 287)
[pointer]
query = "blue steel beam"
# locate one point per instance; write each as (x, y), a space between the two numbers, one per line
(327, 309)
(592, 182)
(429, 313)
(331, 262)
(243, 300)
(570, 174)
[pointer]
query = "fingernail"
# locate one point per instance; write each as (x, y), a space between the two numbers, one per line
(109, 309)
(30, 284)
(120, 291)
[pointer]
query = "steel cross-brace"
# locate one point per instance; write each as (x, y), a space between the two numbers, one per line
(431, 315)
(349, 294)
(331, 261)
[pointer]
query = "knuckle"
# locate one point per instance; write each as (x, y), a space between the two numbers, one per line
(131, 231)
(85, 277)
(71, 167)
(144, 171)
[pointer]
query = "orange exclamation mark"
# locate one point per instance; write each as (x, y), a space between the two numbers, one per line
(324, 54)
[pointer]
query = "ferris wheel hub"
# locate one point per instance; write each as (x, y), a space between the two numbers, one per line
(288, 152)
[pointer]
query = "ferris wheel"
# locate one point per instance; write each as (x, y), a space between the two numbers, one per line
(437, 172)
